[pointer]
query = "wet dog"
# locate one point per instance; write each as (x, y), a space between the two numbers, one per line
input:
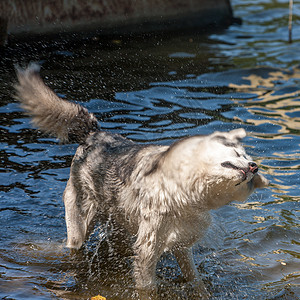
(161, 195)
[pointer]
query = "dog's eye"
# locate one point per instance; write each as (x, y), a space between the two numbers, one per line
(237, 154)
(240, 155)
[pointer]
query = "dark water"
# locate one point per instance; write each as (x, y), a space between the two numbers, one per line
(159, 89)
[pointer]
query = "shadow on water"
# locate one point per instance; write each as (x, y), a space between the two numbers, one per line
(157, 90)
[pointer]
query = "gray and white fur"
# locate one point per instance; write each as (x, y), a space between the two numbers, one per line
(161, 195)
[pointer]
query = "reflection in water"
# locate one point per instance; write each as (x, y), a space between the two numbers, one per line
(278, 98)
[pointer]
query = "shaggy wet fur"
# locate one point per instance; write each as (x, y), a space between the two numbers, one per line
(159, 194)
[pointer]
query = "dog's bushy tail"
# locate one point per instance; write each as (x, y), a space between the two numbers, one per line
(69, 122)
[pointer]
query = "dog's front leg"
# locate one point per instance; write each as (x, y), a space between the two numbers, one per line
(148, 249)
(185, 261)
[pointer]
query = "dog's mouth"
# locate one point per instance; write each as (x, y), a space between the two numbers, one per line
(252, 168)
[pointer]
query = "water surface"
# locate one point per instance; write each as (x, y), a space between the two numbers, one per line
(158, 89)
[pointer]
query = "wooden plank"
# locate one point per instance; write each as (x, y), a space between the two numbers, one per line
(109, 16)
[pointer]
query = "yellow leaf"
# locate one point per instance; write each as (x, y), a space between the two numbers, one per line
(98, 298)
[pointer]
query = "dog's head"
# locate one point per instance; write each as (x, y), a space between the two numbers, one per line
(216, 164)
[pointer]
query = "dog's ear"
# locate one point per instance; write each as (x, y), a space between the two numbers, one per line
(229, 138)
(260, 181)
(237, 134)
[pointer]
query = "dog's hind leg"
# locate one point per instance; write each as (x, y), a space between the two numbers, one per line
(79, 214)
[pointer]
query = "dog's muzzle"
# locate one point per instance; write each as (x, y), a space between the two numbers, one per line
(252, 168)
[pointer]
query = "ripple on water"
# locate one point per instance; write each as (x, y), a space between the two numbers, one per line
(256, 245)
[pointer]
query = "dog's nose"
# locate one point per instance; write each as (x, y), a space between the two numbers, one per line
(253, 167)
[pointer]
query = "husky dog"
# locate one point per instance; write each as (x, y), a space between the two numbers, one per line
(161, 195)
